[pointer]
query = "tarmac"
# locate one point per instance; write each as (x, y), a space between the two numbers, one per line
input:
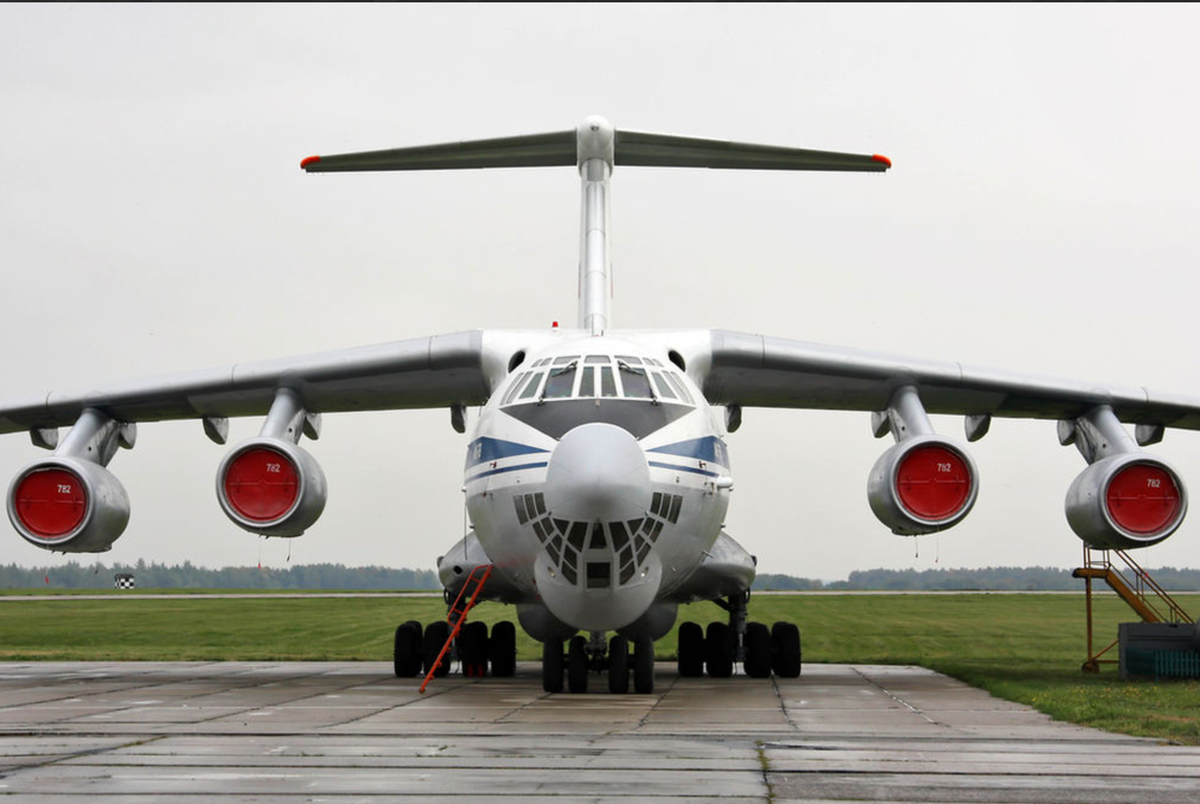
(352, 732)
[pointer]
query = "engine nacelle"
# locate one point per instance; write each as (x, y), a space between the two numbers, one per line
(271, 486)
(922, 484)
(68, 505)
(1126, 500)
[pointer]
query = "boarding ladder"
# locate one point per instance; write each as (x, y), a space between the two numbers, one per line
(1141, 593)
(457, 616)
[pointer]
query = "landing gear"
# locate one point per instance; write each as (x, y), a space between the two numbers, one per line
(434, 640)
(577, 665)
(406, 653)
(643, 665)
(618, 665)
(473, 649)
(502, 649)
(691, 650)
(762, 651)
(552, 666)
(758, 649)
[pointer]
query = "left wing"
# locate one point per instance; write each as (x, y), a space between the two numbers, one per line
(926, 482)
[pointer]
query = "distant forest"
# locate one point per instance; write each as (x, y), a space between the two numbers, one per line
(337, 576)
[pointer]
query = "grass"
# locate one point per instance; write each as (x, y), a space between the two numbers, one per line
(1025, 648)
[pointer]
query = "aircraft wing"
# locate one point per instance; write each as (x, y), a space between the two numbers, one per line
(436, 371)
(761, 371)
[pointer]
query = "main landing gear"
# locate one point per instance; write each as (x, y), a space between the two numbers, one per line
(721, 645)
(416, 649)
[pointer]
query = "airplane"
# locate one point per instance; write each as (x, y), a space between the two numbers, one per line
(597, 476)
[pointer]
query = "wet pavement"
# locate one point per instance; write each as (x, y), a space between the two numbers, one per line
(342, 732)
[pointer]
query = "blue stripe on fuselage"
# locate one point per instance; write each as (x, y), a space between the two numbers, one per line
(483, 450)
(709, 448)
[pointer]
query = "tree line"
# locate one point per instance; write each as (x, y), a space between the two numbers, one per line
(73, 575)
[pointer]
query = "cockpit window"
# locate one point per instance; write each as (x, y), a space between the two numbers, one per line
(532, 386)
(587, 381)
(664, 390)
(560, 382)
(634, 381)
(608, 385)
(633, 361)
(512, 391)
(679, 387)
(563, 361)
(597, 359)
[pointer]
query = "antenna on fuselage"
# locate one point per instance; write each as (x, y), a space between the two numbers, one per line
(595, 147)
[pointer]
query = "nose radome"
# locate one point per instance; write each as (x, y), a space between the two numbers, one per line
(598, 472)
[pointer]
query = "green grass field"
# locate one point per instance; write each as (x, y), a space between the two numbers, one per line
(1026, 648)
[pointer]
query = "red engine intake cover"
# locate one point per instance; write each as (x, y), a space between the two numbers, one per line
(261, 484)
(51, 502)
(933, 483)
(1142, 498)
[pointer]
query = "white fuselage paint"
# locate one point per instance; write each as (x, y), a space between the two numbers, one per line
(509, 457)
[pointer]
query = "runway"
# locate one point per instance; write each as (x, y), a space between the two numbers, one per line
(342, 732)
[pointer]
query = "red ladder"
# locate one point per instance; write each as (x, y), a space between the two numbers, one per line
(457, 615)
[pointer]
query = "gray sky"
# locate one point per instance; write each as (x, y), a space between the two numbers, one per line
(1040, 217)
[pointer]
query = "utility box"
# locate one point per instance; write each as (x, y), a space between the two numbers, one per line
(1159, 650)
(123, 580)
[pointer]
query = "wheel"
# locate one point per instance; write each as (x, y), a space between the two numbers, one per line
(718, 650)
(473, 649)
(618, 665)
(577, 665)
(406, 652)
(691, 650)
(643, 665)
(758, 651)
(785, 650)
(552, 665)
(432, 643)
(502, 649)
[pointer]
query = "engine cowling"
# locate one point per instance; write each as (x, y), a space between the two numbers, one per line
(922, 484)
(1126, 500)
(68, 505)
(271, 487)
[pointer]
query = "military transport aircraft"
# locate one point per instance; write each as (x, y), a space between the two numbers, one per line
(597, 477)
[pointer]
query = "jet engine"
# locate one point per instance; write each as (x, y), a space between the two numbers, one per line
(1125, 498)
(924, 482)
(272, 487)
(1123, 501)
(921, 485)
(68, 505)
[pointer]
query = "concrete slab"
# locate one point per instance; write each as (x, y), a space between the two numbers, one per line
(349, 731)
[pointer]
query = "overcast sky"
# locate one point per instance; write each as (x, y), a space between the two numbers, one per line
(1041, 216)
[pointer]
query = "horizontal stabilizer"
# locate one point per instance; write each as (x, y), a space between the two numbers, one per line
(530, 150)
(665, 150)
(629, 148)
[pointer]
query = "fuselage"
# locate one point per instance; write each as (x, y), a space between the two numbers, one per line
(597, 480)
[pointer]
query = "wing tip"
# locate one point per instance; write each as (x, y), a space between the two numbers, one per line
(887, 163)
(309, 161)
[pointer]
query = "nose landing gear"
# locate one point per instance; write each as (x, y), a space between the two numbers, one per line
(585, 656)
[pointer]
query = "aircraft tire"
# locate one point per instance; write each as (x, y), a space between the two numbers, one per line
(473, 649)
(691, 650)
(758, 651)
(643, 665)
(502, 649)
(577, 665)
(718, 650)
(406, 653)
(552, 665)
(785, 650)
(434, 638)
(618, 665)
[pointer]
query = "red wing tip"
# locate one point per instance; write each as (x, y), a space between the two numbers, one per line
(878, 158)
(312, 160)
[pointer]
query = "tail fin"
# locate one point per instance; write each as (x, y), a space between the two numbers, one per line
(594, 148)
(559, 148)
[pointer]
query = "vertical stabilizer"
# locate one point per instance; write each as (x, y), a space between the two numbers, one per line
(595, 142)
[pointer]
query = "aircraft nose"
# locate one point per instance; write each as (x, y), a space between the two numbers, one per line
(598, 473)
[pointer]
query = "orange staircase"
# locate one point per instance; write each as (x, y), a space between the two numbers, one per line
(1141, 593)
(457, 616)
